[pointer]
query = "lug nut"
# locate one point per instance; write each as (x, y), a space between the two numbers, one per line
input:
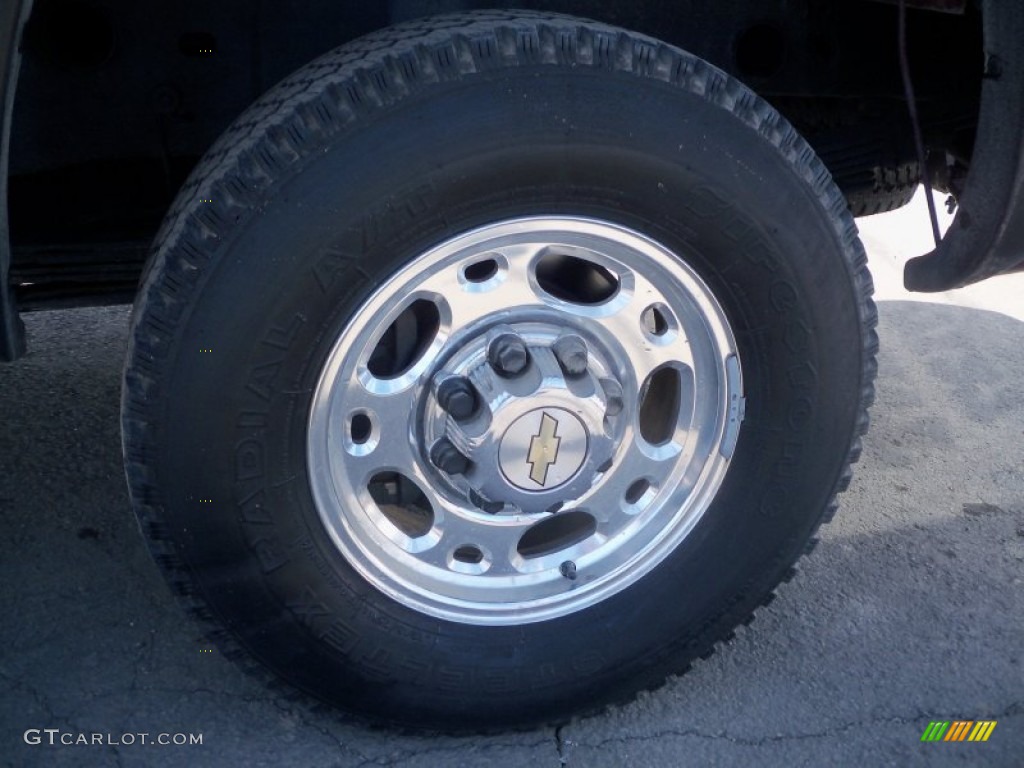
(490, 507)
(448, 458)
(507, 354)
(457, 396)
(572, 355)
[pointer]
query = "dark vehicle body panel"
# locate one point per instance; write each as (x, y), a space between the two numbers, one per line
(819, 62)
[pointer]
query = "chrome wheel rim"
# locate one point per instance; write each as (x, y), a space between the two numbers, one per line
(524, 420)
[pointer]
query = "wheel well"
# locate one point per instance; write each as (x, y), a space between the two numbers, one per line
(118, 99)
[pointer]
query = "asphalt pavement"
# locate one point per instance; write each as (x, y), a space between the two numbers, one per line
(911, 609)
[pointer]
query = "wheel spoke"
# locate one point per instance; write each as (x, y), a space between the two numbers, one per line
(372, 438)
(644, 352)
(495, 539)
(645, 361)
(469, 303)
(394, 451)
(650, 464)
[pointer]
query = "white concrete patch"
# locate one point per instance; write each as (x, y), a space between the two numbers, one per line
(891, 239)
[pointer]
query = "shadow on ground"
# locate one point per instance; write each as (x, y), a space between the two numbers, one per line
(911, 608)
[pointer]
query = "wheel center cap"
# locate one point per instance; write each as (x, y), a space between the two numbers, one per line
(543, 449)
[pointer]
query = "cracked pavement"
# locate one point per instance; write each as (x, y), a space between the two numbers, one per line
(910, 609)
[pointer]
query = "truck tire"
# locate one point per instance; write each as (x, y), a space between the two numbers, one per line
(492, 368)
(891, 187)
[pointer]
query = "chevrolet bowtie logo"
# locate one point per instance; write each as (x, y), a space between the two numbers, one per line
(543, 449)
